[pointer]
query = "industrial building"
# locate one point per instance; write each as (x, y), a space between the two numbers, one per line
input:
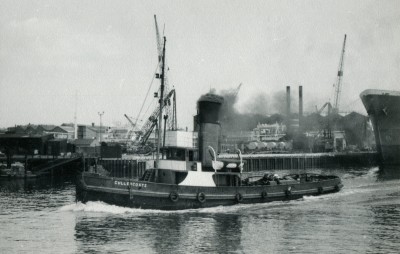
(92, 131)
(296, 132)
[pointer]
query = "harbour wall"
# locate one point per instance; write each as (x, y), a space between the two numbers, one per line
(47, 164)
(134, 168)
(118, 167)
(307, 161)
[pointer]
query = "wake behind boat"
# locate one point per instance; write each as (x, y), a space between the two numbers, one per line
(185, 175)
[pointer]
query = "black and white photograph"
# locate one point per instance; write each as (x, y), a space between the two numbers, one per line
(216, 126)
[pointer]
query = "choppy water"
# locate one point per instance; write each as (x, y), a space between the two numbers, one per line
(42, 217)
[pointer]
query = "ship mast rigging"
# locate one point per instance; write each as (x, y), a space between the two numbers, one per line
(164, 101)
(161, 109)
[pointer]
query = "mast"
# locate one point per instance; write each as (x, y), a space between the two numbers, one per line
(174, 117)
(161, 101)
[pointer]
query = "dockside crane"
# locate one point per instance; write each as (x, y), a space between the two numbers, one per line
(130, 121)
(151, 122)
(237, 89)
(328, 104)
(129, 134)
(159, 42)
(326, 125)
(338, 84)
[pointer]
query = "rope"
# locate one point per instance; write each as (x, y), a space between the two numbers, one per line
(147, 94)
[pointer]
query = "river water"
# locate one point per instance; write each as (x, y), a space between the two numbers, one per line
(41, 216)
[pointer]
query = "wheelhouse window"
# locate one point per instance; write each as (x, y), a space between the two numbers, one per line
(179, 154)
(176, 154)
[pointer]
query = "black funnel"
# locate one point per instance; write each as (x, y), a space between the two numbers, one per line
(208, 109)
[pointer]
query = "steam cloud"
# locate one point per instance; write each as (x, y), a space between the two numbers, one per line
(260, 108)
(263, 108)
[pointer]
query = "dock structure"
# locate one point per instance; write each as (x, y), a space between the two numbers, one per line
(260, 162)
(135, 168)
(59, 164)
(42, 165)
(120, 168)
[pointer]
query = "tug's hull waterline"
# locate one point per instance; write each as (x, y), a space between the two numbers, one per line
(148, 195)
(383, 107)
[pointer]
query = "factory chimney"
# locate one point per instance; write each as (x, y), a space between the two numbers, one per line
(76, 109)
(300, 102)
(288, 102)
(288, 129)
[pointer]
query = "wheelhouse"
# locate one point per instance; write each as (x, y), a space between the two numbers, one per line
(181, 166)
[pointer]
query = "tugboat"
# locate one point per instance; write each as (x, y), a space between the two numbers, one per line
(186, 176)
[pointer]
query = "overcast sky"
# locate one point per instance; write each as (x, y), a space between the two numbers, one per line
(106, 51)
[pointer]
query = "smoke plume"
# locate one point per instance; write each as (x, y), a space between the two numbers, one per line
(260, 108)
(257, 109)
(271, 108)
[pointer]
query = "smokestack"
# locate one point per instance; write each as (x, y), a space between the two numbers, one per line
(208, 107)
(300, 102)
(288, 102)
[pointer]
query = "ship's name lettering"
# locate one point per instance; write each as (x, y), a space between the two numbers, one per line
(133, 184)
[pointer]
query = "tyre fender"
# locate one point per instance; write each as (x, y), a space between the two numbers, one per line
(174, 196)
(264, 194)
(239, 197)
(201, 197)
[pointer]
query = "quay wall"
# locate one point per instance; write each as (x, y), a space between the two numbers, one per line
(134, 168)
(48, 164)
(260, 162)
(118, 167)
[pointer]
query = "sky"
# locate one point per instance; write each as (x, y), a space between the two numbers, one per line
(95, 56)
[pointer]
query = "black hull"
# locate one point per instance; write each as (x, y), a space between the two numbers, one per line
(383, 108)
(147, 195)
